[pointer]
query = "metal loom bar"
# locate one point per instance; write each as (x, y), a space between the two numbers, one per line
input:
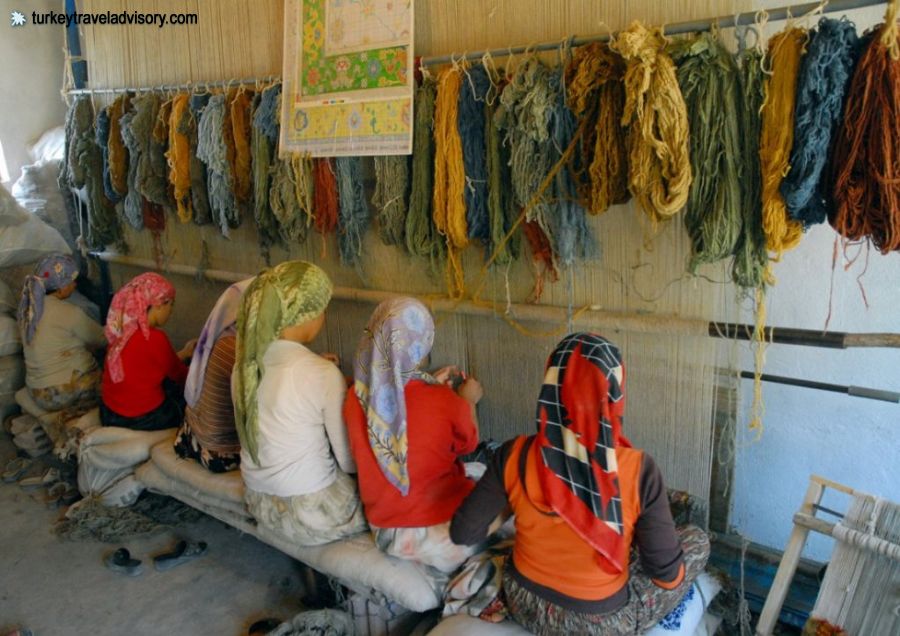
(855, 391)
(592, 317)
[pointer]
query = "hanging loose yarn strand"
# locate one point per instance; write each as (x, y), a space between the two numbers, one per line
(865, 158)
(821, 86)
(353, 219)
(596, 93)
(708, 77)
(389, 198)
(782, 232)
(422, 237)
(659, 155)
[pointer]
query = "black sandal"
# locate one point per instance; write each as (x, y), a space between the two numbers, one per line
(183, 552)
(121, 561)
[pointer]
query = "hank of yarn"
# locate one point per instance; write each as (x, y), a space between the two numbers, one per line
(240, 130)
(153, 170)
(659, 167)
(199, 181)
(502, 209)
(821, 88)
(179, 158)
(449, 168)
(265, 112)
(353, 219)
(212, 149)
(135, 127)
(102, 138)
(709, 81)
(472, 102)
(118, 153)
(390, 196)
(777, 138)
(325, 196)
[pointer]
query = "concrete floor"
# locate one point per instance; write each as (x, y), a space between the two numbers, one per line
(61, 588)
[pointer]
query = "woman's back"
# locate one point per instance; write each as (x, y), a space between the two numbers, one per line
(60, 344)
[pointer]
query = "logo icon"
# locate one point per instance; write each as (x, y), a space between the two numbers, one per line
(17, 18)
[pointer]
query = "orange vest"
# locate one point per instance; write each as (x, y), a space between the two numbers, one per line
(547, 550)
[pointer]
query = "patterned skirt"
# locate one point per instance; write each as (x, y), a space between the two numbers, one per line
(73, 399)
(321, 517)
(187, 446)
(647, 603)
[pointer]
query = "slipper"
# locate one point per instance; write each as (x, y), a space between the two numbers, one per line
(183, 552)
(263, 626)
(47, 477)
(55, 494)
(121, 561)
(16, 468)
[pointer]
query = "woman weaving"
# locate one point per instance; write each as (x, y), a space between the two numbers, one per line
(582, 498)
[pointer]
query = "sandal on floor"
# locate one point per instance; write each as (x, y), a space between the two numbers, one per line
(121, 561)
(183, 552)
(55, 493)
(263, 626)
(16, 468)
(45, 478)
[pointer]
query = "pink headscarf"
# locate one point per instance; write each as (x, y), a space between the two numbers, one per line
(128, 312)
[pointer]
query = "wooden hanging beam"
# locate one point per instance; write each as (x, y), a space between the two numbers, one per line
(593, 317)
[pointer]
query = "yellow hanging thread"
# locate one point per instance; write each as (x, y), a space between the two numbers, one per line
(179, 158)
(595, 91)
(658, 144)
(450, 176)
(777, 138)
(118, 153)
(240, 131)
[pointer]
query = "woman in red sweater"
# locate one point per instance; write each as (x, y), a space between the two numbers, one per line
(407, 431)
(143, 378)
(582, 499)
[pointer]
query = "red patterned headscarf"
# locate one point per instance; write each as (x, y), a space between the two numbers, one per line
(128, 313)
(579, 417)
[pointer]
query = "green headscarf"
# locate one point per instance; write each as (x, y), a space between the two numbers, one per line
(288, 294)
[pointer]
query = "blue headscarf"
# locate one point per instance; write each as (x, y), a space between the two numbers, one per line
(52, 273)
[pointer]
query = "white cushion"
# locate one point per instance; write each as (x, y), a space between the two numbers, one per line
(465, 625)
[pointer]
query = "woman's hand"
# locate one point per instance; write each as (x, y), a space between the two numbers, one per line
(445, 375)
(471, 390)
(332, 357)
(188, 350)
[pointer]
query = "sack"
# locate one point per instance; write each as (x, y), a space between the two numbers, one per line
(37, 190)
(9, 302)
(50, 147)
(10, 342)
(12, 374)
(24, 238)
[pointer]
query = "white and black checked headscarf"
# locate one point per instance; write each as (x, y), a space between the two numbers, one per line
(579, 418)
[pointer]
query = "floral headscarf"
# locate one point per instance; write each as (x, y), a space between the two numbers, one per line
(222, 317)
(51, 273)
(128, 313)
(579, 419)
(397, 339)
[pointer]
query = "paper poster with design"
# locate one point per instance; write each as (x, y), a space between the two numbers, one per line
(348, 78)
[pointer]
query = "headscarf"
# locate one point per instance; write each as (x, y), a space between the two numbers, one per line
(288, 294)
(51, 273)
(579, 418)
(222, 317)
(398, 337)
(128, 313)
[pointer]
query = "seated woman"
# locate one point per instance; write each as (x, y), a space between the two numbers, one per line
(407, 431)
(61, 371)
(287, 405)
(208, 433)
(143, 379)
(582, 497)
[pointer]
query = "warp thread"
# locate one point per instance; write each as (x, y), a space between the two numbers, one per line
(354, 211)
(596, 93)
(102, 138)
(864, 161)
(659, 167)
(751, 258)
(179, 157)
(153, 171)
(708, 77)
(212, 150)
(422, 237)
(450, 176)
(389, 198)
(199, 181)
(263, 143)
(502, 209)
(325, 196)
(118, 153)
(821, 86)
(473, 96)
(574, 238)
(777, 138)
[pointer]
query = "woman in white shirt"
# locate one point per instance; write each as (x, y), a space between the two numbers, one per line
(61, 372)
(295, 454)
